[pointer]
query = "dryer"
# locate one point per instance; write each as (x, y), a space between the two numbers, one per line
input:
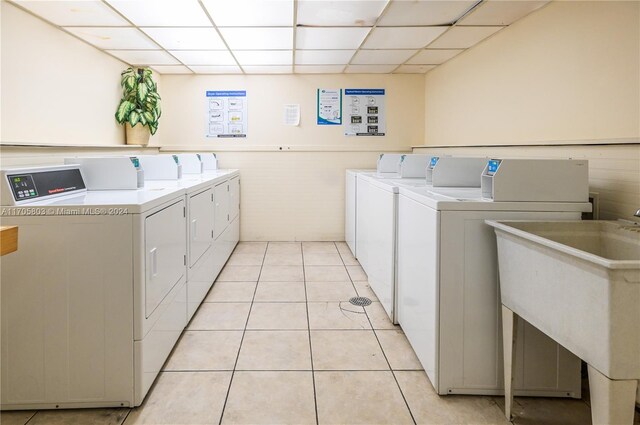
(447, 277)
(212, 200)
(95, 298)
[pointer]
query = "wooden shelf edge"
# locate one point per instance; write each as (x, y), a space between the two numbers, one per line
(8, 239)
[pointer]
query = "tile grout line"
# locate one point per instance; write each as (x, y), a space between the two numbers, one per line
(235, 365)
(36, 412)
(375, 334)
(306, 304)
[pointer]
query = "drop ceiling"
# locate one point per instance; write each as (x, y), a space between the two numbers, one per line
(282, 36)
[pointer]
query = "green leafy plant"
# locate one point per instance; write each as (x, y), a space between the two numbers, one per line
(140, 103)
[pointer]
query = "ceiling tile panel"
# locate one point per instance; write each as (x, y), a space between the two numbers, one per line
(425, 12)
(379, 57)
(463, 37)
(370, 69)
(434, 56)
(494, 12)
(340, 13)
(250, 13)
(319, 69)
(330, 38)
(204, 57)
(225, 69)
(286, 69)
(186, 38)
(73, 13)
(413, 69)
(144, 57)
(258, 38)
(264, 57)
(162, 13)
(113, 38)
(323, 57)
(402, 37)
(171, 69)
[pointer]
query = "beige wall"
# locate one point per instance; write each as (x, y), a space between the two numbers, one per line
(55, 89)
(185, 111)
(566, 74)
(569, 71)
(296, 194)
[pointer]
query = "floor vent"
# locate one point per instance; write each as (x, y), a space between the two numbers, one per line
(360, 301)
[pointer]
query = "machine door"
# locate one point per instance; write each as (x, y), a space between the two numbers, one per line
(234, 198)
(221, 198)
(201, 213)
(165, 246)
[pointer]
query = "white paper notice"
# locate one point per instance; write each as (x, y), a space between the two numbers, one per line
(291, 115)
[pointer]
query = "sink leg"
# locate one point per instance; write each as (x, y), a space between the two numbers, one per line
(612, 401)
(509, 334)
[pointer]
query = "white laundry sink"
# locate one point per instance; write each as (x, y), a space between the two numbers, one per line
(579, 283)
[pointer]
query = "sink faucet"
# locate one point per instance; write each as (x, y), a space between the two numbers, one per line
(637, 214)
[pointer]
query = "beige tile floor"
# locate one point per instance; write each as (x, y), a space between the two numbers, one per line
(277, 342)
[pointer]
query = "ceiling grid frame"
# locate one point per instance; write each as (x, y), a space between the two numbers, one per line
(499, 19)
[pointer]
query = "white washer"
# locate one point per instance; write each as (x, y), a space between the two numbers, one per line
(448, 297)
(94, 299)
(377, 218)
(350, 190)
(388, 166)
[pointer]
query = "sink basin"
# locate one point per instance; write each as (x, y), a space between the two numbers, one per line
(578, 282)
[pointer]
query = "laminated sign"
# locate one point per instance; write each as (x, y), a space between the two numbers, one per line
(329, 105)
(227, 113)
(365, 112)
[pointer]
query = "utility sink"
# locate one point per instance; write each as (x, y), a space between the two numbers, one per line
(579, 283)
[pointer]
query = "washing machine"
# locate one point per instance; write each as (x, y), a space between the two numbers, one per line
(387, 166)
(447, 277)
(94, 299)
(350, 194)
(377, 217)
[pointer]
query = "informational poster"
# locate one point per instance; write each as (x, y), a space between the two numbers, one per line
(227, 113)
(329, 107)
(365, 111)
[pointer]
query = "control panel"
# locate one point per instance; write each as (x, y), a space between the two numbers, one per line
(31, 184)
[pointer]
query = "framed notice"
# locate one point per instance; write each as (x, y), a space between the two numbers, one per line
(329, 104)
(226, 113)
(365, 112)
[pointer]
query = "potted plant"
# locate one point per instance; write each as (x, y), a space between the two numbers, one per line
(140, 104)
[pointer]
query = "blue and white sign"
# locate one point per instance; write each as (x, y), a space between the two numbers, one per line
(226, 113)
(365, 111)
(329, 107)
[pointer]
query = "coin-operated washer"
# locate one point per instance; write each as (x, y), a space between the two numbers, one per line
(378, 214)
(387, 165)
(94, 300)
(447, 274)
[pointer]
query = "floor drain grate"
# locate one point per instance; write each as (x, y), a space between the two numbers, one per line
(360, 301)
